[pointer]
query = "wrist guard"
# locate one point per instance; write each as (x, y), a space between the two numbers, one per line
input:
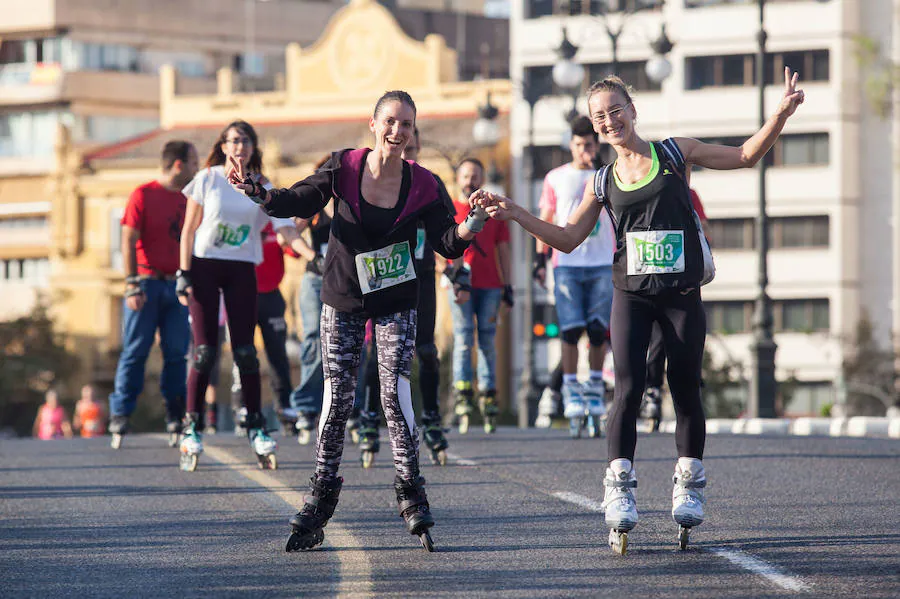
(476, 219)
(509, 296)
(461, 278)
(257, 192)
(182, 282)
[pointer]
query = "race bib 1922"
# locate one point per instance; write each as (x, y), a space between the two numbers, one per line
(655, 252)
(386, 267)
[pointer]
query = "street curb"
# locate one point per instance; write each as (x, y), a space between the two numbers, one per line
(858, 426)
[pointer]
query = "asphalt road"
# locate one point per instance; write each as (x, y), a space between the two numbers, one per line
(517, 516)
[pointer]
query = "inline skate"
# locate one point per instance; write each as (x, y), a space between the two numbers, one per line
(191, 443)
(651, 409)
(487, 403)
(595, 408)
(306, 423)
(433, 435)
(618, 502)
(688, 497)
(318, 507)
(369, 444)
(262, 444)
(413, 505)
(575, 407)
(464, 407)
(118, 428)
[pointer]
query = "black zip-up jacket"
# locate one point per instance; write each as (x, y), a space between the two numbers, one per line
(340, 178)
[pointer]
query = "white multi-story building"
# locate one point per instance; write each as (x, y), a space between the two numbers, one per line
(829, 185)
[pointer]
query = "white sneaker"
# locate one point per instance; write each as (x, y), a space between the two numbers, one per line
(618, 501)
(595, 393)
(573, 400)
(687, 494)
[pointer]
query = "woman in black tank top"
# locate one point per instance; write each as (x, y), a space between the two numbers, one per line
(657, 274)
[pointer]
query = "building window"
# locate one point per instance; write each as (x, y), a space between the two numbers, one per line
(634, 73)
(728, 318)
(739, 70)
(804, 316)
(731, 233)
(796, 149)
(35, 271)
(546, 8)
(540, 81)
(809, 398)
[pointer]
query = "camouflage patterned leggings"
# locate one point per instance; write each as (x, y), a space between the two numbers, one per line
(342, 340)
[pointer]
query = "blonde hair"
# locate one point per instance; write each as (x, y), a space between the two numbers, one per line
(610, 83)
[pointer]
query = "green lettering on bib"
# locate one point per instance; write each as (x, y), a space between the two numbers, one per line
(384, 267)
(654, 252)
(226, 235)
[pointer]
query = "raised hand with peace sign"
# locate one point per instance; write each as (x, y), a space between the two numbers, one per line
(793, 97)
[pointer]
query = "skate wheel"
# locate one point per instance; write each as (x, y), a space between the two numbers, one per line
(116, 441)
(439, 458)
(189, 462)
(427, 542)
(618, 541)
(367, 458)
(354, 436)
(298, 542)
(304, 436)
(463, 424)
(273, 462)
(684, 536)
(489, 426)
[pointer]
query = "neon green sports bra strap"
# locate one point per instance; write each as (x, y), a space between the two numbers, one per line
(654, 170)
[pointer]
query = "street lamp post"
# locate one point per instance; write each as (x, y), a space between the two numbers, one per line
(526, 386)
(763, 386)
(615, 33)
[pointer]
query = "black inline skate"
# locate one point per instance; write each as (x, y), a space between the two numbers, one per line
(487, 403)
(433, 435)
(651, 410)
(118, 428)
(369, 443)
(462, 394)
(413, 505)
(307, 526)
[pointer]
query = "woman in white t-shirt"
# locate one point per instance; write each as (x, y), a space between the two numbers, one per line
(220, 248)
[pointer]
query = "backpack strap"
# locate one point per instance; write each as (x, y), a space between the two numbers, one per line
(601, 191)
(674, 155)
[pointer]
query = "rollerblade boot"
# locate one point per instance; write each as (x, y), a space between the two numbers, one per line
(191, 444)
(240, 422)
(595, 398)
(118, 427)
(318, 507)
(413, 505)
(575, 407)
(353, 426)
(369, 444)
(618, 502)
(288, 419)
(173, 428)
(487, 403)
(306, 422)
(547, 408)
(263, 445)
(433, 435)
(463, 398)
(651, 409)
(688, 497)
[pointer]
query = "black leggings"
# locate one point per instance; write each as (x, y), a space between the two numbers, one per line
(656, 358)
(682, 321)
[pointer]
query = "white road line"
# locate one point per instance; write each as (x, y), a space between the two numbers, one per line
(764, 569)
(461, 461)
(737, 557)
(580, 500)
(355, 569)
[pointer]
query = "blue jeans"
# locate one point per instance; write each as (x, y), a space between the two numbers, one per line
(582, 294)
(481, 311)
(161, 311)
(307, 396)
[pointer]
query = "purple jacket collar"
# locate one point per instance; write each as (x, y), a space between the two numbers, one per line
(422, 191)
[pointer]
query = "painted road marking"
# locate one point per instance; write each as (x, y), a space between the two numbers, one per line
(461, 461)
(354, 567)
(580, 500)
(757, 566)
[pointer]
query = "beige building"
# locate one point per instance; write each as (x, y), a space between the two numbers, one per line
(329, 91)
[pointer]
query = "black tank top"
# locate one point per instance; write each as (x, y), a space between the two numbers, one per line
(646, 260)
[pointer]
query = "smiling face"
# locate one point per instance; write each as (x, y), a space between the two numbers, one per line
(612, 116)
(393, 127)
(469, 177)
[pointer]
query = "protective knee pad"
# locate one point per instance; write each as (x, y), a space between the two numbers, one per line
(428, 357)
(596, 333)
(245, 359)
(204, 358)
(571, 336)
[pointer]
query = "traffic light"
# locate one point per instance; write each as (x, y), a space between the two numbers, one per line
(545, 325)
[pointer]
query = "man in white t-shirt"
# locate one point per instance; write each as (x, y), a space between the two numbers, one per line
(582, 279)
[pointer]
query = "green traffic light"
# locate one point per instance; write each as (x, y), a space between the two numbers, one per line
(552, 329)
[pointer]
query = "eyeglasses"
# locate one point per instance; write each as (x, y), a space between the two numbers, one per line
(602, 117)
(239, 141)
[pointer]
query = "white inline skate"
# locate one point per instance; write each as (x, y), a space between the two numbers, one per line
(688, 497)
(595, 398)
(547, 407)
(618, 502)
(263, 445)
(574, 407)
(191, 445)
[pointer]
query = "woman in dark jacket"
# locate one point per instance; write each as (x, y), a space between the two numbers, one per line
(369, 273)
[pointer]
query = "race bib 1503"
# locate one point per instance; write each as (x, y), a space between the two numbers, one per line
(386, 267)
(654, 252)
